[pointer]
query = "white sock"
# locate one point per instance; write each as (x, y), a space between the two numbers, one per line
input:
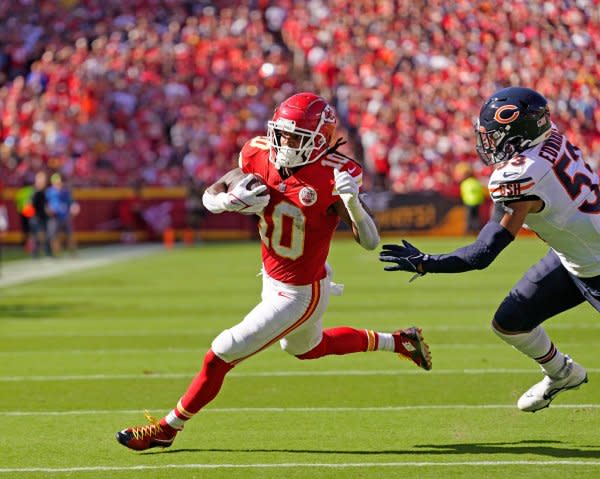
(537, 345)
(385, 342)
(173, 421)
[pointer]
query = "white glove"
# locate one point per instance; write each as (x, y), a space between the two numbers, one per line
(242, 200)
(346, 186)
(239, 200)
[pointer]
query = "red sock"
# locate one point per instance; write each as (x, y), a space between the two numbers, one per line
(203, 389)
(339, 341)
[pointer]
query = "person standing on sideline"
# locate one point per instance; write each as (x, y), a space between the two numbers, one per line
(25, 211)
(541, 181)
(472, 194)
(307, 187)
(39, 221)
(62, 208)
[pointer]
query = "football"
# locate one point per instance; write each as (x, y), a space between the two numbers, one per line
(241, 179)
(255, 182)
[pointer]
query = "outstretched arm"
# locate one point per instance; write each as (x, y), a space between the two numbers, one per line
(492, 239)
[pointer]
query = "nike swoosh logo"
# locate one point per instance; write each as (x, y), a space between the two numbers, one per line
(281, 293)
(508, 174)
(352, 170)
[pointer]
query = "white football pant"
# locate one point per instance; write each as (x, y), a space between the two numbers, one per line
(290, 314)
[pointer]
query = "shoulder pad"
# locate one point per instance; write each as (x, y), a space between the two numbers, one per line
(249, 154)
(517, 179)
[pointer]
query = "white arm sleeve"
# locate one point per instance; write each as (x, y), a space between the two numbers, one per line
(368, 236)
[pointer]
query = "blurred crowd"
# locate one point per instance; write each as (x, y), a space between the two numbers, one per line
(410, 76)
(163, 92)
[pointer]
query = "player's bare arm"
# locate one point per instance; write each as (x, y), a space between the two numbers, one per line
(516, 212)
(224, 183)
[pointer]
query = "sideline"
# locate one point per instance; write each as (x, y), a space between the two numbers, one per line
(299, 465)
(27, 270)
(272, 374)
(287, 410)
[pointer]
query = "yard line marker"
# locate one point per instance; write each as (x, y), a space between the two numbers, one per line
(270, 374)
(298, 465)
(200, 349)
(165, 333)
(86, 412)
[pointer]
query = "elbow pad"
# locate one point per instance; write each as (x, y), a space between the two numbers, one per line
(492, 239)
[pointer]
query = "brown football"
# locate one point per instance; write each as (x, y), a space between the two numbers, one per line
(255, 182)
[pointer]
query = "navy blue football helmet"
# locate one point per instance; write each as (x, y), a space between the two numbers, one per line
(510, 121)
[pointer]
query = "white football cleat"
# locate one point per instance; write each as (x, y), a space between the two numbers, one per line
(540, 395)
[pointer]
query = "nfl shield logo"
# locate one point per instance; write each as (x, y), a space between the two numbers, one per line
(308, 196)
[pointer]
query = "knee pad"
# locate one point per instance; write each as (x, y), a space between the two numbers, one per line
(511, 319)
(224, 345)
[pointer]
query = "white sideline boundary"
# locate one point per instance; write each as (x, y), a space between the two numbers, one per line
(27, 270)
(272, 374)
(287, 410)
(297, 465)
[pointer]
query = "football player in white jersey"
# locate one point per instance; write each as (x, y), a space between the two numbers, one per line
(540, 181)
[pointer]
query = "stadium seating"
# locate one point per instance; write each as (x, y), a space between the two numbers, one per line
(117, 93)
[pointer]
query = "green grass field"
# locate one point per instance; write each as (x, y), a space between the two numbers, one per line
(83, 355)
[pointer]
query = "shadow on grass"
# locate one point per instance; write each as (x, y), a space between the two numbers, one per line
(533, 447)
(32, 311)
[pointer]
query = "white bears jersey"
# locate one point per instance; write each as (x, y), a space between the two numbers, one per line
(554, 171)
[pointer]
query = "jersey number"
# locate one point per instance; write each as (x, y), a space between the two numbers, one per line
(294, 225)
(574, 184)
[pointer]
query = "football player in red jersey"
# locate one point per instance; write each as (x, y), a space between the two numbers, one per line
(307, 187)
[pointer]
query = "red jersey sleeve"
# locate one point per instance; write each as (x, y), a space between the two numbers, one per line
(343, 163)
(251, 159)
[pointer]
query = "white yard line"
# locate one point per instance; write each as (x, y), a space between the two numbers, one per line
(191, 332)
(202, 349)
(24, 271)
(269, 374)
(297, 465)
(287, 410)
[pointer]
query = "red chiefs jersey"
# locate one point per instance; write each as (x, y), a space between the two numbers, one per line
(296, 227)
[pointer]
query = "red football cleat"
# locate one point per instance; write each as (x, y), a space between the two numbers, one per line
(409, 344)
(140, 438)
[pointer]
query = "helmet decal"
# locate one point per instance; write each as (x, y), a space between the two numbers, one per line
(329, 115)
(503, 119)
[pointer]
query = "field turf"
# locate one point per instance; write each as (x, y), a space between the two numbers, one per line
(83, 355)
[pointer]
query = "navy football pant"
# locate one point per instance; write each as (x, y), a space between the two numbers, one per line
(546, 290)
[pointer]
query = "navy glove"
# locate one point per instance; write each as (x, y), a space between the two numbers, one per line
(406, 258)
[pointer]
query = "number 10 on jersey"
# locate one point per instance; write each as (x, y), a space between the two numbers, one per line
(293, 228)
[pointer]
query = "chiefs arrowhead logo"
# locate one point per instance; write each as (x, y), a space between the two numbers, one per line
(506, 114)
(328, 115)
(307, 196)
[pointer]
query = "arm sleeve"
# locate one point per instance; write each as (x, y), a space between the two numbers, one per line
(492, 239)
